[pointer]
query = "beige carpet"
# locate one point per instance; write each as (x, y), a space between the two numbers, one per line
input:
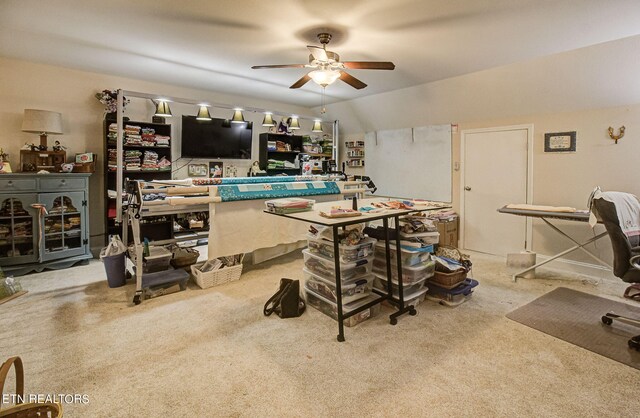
(212, 353)
(575, 317)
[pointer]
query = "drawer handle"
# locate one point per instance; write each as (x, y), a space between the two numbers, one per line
(63, 182)
(10, 183)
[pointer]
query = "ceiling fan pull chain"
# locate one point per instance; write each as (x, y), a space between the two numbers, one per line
(322, 102)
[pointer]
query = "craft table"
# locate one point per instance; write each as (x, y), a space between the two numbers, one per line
(564, 216)
(313, 217)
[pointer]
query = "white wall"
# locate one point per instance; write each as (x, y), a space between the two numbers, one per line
(71, 92)
(585, 90)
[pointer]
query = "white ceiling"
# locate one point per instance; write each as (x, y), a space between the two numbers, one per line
(211, 45)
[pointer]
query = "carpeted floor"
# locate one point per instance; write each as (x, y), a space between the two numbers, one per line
(212, 353)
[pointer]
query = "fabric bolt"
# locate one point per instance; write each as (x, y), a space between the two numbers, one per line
(627, 208)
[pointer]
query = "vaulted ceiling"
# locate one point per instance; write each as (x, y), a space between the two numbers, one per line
(212, 45)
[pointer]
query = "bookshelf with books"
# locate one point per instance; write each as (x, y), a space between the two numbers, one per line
(355, 153)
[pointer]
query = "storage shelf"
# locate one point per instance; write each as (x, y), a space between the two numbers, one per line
(311, 154)
(283, 152)
(15, 217)
(140, 171)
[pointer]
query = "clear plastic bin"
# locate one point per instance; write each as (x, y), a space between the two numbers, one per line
(410, 274)
(352, 290)
(380, 283)
(325, 267)
(157, 260)
(407, 256)
(428, 238)
(348, 253)
(414, 298)
(331, 308)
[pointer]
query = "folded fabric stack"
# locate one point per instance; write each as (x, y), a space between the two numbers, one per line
(5, 231)
(113, 159)
(132, 135)
(162, 140)
(444, 215)
(148, 137)
(281, 146)
(274, 164)
(112, 136)
(150, 160)
(132, 160)
(164, 164)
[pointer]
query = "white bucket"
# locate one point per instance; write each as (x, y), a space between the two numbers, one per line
(519, 261)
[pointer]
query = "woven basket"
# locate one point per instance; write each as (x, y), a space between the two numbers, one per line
(215, 277)
(448, 280)
(29, 409)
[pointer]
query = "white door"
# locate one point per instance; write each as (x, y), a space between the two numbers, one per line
(495, 163)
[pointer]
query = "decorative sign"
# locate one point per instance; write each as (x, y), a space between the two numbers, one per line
(198, 170)
(560, 142)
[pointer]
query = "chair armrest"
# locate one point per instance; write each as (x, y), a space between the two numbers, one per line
(635, 262)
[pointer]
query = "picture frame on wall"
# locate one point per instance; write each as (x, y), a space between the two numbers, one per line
(215, 169)
(198, 170)
(560, 142)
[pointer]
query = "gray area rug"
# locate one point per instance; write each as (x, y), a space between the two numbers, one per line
(574, 317)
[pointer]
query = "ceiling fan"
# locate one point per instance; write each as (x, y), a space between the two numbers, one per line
(328, 68)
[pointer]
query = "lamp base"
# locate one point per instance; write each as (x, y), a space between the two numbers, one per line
(43, 142)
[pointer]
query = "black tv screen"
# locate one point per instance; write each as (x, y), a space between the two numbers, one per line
(215, 138)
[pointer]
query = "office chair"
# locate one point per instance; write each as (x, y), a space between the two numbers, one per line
(626, 260)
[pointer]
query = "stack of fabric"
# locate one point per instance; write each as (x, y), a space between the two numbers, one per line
(113, 159)
(148, 137)
(112, 136)
(164, 164)
(162, 140)
(132, 135)
(132, 160)
(150, 160)
(274, 164)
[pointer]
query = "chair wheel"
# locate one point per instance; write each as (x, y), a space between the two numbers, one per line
(606, 320)
(413, 312)
(393, 321)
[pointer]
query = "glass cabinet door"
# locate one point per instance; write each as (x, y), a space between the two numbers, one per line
(18, 229)
(63, 225)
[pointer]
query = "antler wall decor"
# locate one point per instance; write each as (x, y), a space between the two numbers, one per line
(616, 137)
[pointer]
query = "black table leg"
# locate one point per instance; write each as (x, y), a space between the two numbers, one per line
(336, 255)
(402, 309)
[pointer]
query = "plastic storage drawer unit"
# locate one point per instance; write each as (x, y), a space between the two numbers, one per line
(325, 267)
(352, 290)
(452, 297)
(331, 308)
(348, 253)
(414, 298)
(408, 257)
(410, 274)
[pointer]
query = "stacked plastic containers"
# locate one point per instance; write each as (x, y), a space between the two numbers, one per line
(356, 278)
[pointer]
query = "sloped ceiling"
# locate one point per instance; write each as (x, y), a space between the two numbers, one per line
(212, 45)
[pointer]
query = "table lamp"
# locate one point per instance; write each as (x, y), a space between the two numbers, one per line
(43, 122)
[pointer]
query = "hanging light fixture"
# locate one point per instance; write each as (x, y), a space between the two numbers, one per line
(162, 109)
(203, 113)
(268, 120)
(238, 117)
(294, 123)
(324, 77)
(317, 126)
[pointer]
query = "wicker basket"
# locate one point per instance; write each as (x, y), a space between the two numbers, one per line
(28, 409)
(184, 257)
(448, 280)
(215, 277)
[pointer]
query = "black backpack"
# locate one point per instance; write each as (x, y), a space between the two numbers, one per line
(286, 303)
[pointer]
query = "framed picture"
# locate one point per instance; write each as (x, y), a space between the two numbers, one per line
(560, 142)
(198, 170)
(215, 169)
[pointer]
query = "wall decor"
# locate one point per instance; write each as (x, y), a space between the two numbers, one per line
(616, 137)
(231, 171)
(215, 169)
(560, 142)
(198, 170)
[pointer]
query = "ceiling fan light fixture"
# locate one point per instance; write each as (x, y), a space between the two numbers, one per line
(237, 117)
(294, 123)
(324, 77)
(203, 113)
(163, 109)
(317, 126)
(268, 119)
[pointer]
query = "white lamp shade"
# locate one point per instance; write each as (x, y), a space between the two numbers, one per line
(163, 109)
(238, 117)
(294, 123)
(317, 126)
(203, 113)
(268, 120)
(42, 121)
(324, 77)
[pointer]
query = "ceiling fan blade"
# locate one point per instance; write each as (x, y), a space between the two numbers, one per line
(369, 65)
(305, 78)
(352, 81)
(318, 53)
(260, 67)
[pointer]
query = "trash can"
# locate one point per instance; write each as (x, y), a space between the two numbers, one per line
(114, 265)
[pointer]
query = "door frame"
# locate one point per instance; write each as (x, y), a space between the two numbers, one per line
(529, 191)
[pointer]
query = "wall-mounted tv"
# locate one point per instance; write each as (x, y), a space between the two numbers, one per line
(215, 138)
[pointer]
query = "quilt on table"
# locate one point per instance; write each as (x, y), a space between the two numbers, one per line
(254, 180)
(230, 193)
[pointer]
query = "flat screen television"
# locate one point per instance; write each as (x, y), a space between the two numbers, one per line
(215, 138)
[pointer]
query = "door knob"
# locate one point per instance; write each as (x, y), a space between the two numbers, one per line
(467, 188)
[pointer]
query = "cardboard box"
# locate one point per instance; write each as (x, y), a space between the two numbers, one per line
(448, 232)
